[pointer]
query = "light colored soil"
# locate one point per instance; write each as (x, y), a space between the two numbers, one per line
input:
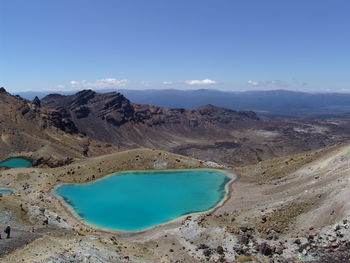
(289, 196)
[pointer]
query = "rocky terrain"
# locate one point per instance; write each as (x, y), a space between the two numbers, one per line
(211, 133)
(27, 129)
(272, 103)
(290, 209)
(290, 203)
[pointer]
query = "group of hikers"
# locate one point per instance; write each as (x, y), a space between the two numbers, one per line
(7, 231)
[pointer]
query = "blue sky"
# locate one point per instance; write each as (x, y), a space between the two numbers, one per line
(138, 44)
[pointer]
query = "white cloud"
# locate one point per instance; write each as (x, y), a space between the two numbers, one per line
(73, 82)
(167, 83)
(268, 83)
(108, 83)
(200, 82)
(340, 90)
(254, 83)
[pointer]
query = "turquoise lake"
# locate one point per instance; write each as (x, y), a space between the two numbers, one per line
(5, 191)
(16, 163)
(134, 201)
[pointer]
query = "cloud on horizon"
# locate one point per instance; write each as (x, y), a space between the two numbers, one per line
(200, 82)
(114, 83)
(253, 83)
(108, 83)
(274, 83)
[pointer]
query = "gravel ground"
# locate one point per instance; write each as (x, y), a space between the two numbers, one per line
(18, 239)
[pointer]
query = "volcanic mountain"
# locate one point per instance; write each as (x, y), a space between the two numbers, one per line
(26, 128)
(301, 199)
(112, 118)
(207, 132)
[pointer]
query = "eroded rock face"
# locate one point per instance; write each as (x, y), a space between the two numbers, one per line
(113, 109)
(32, 112)
(210, 133)
(36, 101)
(51, 162)
(117, 110)
(55, 118)
(29, 127)
(82, 112)
(82, 98)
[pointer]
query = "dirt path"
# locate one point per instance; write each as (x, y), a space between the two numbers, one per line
(18, 239)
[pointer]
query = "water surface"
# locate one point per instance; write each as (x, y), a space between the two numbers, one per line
(134, 201)
(5, 191)
(16, 163)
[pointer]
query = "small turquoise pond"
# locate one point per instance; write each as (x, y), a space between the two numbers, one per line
(16, 163)
(5, 191)
(134, 201)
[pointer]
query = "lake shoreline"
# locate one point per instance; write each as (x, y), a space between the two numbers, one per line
(28, 162)
(69, 209)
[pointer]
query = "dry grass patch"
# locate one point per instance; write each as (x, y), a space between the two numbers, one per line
(279, 220)
(243, 259)
(222, 220)
(277, 168)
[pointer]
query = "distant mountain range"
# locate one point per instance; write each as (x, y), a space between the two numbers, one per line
(272, 103)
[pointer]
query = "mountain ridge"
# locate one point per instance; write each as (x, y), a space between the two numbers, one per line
(207, 132)
(284, 103)
(30, 130)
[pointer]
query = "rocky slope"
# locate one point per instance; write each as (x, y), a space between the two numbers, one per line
(112, 118)
(41, 226)
(291, 209)
(27, 129)
(208, 132)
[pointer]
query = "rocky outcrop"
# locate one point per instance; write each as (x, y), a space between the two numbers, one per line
(207, 132)
(51, 162)
(36, 101)
(113, 109)
(82, 98)
(82, 112)
(55, 119)
(28, 127)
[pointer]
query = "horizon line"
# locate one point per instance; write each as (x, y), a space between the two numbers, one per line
(53, 91)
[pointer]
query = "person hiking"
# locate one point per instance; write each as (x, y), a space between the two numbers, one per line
(8, 231)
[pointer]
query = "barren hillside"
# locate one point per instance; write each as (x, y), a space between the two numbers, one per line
(26, 129)
(211, 133)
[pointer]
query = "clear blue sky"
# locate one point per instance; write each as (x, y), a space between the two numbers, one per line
(186, 44)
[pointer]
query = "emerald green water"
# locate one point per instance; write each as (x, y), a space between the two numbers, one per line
(5, 191)
(134, 201)
(16, 163)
